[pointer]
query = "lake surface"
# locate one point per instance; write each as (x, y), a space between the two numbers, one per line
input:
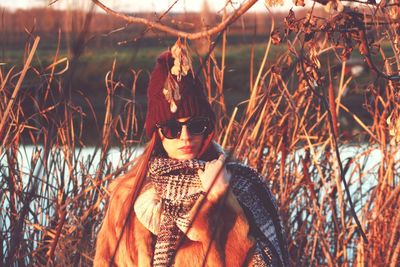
(365, 157)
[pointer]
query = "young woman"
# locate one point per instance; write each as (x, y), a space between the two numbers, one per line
(181, 204)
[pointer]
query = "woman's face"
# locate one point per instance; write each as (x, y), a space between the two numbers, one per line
(185, 146)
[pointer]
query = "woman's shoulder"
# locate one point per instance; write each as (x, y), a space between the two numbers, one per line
(240, 171)
(247, 183)
(255, 196)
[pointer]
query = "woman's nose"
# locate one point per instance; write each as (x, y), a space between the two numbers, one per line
(185, 133)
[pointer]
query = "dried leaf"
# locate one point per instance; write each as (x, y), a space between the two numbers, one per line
(346, 52)
(182, 62)
(334, 5)
(275, 37)
(308, 36)
(291, 22)
(277, 70)
(272, 3)
(299, 2)
(393, 122)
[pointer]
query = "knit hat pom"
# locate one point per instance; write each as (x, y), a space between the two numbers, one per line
(174, 92)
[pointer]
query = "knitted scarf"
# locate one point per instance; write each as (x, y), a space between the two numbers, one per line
(179, 186)
(176, 185)
(261, 210)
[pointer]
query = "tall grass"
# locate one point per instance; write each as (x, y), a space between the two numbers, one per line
(289, 130)
(52, 188)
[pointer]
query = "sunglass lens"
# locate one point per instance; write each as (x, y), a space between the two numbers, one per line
(197, 126)
(172, 129)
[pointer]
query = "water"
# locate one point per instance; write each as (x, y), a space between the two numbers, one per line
(366, 161)
(52, 182)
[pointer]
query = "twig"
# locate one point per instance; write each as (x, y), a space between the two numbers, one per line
(17, 87)
(191, 36)
(336, 147)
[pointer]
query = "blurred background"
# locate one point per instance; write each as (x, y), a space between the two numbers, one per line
(91, 40)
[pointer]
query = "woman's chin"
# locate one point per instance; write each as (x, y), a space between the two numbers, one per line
(183, 156)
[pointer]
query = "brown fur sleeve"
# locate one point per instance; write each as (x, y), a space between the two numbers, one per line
(222, 225)
(135, 248)
(113, 222)
(238, 241)
(106, 240)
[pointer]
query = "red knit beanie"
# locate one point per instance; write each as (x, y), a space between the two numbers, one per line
(170, 97)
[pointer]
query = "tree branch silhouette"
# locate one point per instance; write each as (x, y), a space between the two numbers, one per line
(178, 33)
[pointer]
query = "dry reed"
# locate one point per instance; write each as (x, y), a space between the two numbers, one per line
(288, 130)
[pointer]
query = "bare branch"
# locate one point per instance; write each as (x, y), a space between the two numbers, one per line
(187, 35)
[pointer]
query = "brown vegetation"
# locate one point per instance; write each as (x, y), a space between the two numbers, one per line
(288, 130)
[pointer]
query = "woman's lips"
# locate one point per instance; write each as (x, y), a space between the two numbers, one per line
(186, 149)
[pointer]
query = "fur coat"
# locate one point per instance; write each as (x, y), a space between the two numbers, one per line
(227, 232)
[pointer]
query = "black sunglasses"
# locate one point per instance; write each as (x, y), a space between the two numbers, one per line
(196, 126)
